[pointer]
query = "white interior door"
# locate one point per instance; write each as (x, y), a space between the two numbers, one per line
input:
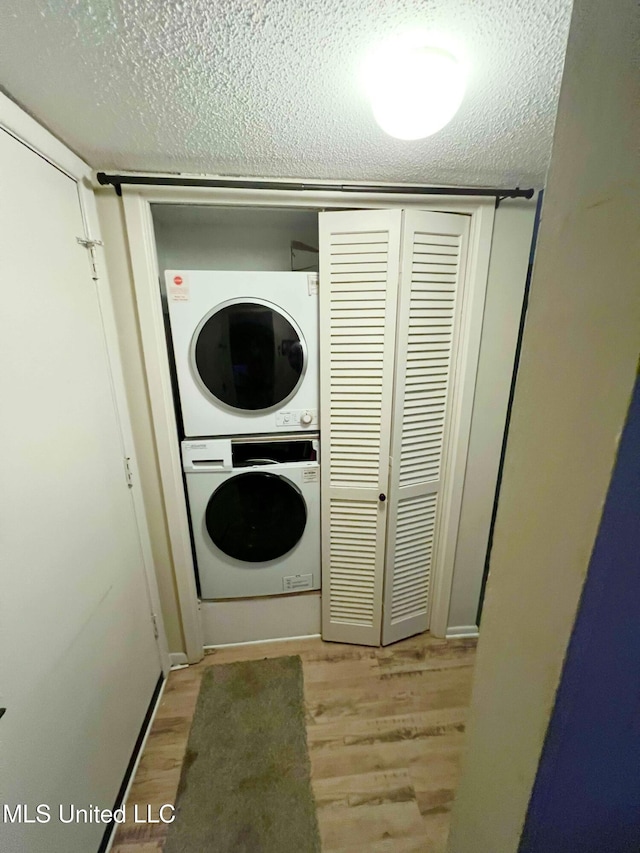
(359, 264)
(78, 658)
(434, 251)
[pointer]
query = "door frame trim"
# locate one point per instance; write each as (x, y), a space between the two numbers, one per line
(111, 828)
(30, 133)
(137, 203)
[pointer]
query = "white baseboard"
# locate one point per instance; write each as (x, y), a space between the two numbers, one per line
(254, 620)
(265, 642)
(178, 659)
(460, 631)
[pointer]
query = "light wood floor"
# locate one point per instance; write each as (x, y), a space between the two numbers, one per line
(385, 728)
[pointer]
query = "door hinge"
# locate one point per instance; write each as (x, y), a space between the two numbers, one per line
(154, 619)
(128, 473)
(90, 244)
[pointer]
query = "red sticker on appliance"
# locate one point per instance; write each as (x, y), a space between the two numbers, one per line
(178, 288)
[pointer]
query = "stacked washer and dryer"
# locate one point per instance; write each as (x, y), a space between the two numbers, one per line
(246, 358)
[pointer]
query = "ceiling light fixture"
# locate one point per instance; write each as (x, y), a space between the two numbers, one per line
(415, 85)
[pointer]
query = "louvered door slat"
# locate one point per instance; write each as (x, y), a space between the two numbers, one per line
(435, 239)
(357, 283)
(434, 246)
(359, 262)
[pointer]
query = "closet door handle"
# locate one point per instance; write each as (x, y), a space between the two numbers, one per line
(382, 497)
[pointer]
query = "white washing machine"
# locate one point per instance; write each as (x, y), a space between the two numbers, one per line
(246, 350)
(255, 514)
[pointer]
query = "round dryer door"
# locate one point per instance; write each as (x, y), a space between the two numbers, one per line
(248, 355)
(256, 516)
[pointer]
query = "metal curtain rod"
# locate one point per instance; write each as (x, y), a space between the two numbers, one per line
(117, 181)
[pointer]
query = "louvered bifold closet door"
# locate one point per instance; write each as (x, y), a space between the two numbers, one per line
(434, 248)
(359, 260)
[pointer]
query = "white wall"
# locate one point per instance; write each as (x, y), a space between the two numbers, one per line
(249, 620)
(578, 366)
(227, 238)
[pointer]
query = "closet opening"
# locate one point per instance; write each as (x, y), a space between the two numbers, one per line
(240, 231)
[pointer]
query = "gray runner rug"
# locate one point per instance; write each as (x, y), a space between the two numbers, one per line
(245, 785)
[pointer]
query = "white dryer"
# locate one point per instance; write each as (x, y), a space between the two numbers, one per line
(246, 350)
(255, 514)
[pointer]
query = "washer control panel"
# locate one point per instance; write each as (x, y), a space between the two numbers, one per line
(303, 417)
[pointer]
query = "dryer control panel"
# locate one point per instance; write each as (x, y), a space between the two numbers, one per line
(305, 418)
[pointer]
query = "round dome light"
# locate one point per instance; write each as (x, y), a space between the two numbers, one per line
(415, 89)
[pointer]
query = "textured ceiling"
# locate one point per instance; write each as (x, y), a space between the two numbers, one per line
(270, 87)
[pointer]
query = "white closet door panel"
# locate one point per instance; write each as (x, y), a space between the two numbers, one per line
(359, 263)
(433, 264)
(78, 659)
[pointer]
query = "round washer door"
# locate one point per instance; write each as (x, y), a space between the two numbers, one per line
(255, 517)
(248, 355)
